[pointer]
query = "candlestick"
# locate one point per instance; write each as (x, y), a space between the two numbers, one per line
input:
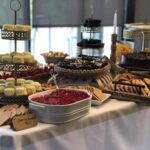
(113, 47)
(115, 22)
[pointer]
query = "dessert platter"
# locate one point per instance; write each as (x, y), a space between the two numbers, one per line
(13, 89)
(8, 112)
(54, 57)
(130, 87)
(84, 67)
(11, 92)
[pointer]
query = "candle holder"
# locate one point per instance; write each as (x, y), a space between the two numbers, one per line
(113, 47)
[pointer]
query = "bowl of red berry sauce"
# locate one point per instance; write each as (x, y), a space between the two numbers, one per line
(59, 106)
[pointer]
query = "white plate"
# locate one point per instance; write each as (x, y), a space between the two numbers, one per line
(98, 102)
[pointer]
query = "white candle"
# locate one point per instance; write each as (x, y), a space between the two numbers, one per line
(115, 22)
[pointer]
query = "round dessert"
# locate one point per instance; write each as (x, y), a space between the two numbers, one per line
(28, 81)
(10, 82)
(136, 60)
(20, 81)
(9, 91)
(18, 59)
(8, 27)
(2, 89)
(61, 97)
(28, 58)
(37, 86)
(21, 91)
(2, 81)
(30, 89)
(6, 59)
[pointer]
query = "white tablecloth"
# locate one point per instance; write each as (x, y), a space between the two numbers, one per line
(115, 125)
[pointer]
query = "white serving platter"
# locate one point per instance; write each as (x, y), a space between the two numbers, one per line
(99, 102)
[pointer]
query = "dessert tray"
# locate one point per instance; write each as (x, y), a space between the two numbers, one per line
(130, 87)
(88, 66)
(54, 57)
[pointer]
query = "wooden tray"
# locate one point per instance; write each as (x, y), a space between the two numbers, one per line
(128, 97)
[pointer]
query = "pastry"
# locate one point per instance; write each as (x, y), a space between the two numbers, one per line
(28, 59)
(21, 91)
(25, 28)
(37, 86)
(8, 27)
(2, 81)
(18, 59)
(30, 89)
(6, 58)
(20, 81)
(9, 91)
(2, 89)
(147, 81)
(10, 82)
(15, 53)
(28, 81)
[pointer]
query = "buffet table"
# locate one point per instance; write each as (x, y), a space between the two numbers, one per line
(115, 125)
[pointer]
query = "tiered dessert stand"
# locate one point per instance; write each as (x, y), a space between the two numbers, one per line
(15, 6)
(90, 46)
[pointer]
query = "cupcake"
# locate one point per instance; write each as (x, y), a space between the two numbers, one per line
(28, 81)
(8, 27)
(10, 82)
(2, 81)
(2, 89)
(37, 86)
(18, 59)
(21, 91)
(28, 59)
(6, 58)
(20, 81)
(30, 89)
(18, 27)
(9, 91)
(26, 28)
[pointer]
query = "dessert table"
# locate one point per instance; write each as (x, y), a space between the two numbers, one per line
(114, 125)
